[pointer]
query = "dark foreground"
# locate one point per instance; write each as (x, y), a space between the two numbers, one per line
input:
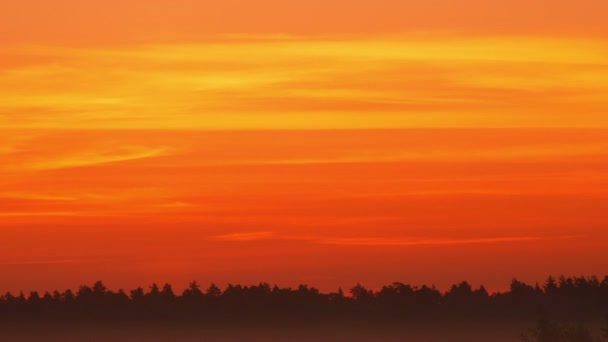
(561, 310)
(460, 330)
(156, 334)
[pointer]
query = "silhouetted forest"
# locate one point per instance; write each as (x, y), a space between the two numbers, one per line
(577, 299)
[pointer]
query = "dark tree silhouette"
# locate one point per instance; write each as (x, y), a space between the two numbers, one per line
(137, 294)
(167, 292)
(567, 299)
(550, 287)
(361, 294)
(214, 291)
(193, 291)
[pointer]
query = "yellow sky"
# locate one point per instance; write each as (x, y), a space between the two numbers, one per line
(298, 83)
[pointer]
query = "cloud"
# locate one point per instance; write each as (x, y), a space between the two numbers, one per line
(35, 196)
(317, 83)
(7, 149)
(260, 236)
(93, 158)
(380, 241)
(536, 152)
(248, 236)
(175, 205)
(41, 214)
(371, 241)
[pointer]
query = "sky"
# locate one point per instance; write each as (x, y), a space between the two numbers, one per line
(320, 142)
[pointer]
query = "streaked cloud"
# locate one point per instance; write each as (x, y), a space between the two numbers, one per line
(424, 242)
(505, 153)
(93, 158)
(35, 196)
(314, 83)
(380, 241)
(248, 236)
(7, 149)
(28, 214)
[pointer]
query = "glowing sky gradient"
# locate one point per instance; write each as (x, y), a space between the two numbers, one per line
(326, 142)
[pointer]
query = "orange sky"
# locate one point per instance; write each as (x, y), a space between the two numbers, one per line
(327, 142)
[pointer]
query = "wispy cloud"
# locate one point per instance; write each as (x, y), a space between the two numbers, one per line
(423, 242)
(41, 214)
(93, 158)
(7, 149)
(445, 154)
(381, 241)
(36, 196)
(247, 236)
(438, 81)
(260, 236)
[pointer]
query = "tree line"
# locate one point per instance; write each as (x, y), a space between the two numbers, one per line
(563, 298)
